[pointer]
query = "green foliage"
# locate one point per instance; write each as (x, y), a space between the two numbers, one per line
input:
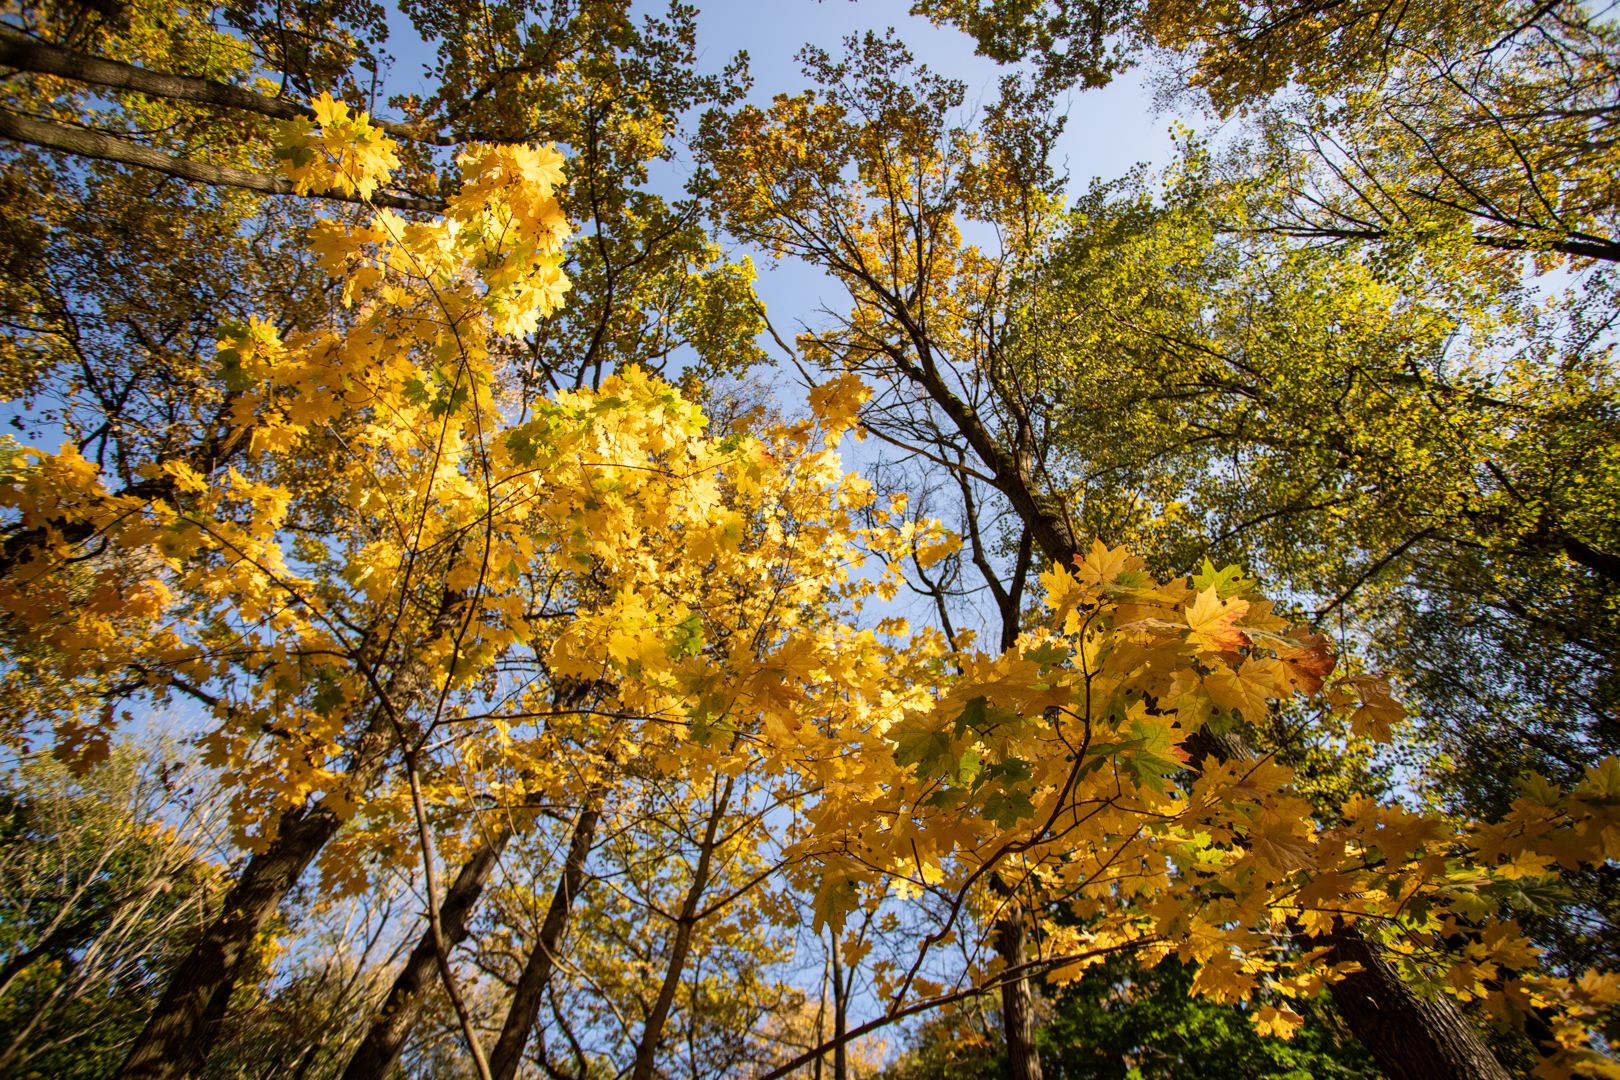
(1417, 447)
(101, 893)
(1120, 1022)
(1123, 1023)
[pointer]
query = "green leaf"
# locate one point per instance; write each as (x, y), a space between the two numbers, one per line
(1047, 655)
(924, 747)
(1011, 771)
(1007, 808)
(973, 717)
(981, 718)
(685, 637)
(416, 391)
(1227, 581)
(522, 442)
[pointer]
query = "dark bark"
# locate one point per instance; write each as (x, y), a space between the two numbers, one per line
(93, 144)
(1013, 472)
(25, 54)
(385, 1041)
(1410, 1037)
(1595, 247)
(652, 1032)
(182, 1029)
(1017, 997)
(531, 987)
(177, 1035)
(840, 1014)
(1012, 468)
(1600, 562)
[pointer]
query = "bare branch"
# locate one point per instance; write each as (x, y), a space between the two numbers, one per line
(93, 144)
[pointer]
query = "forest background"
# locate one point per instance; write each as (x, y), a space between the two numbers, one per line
(977, 647)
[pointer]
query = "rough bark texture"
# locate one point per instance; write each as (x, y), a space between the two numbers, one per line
(181, 1030)
(1411, 1038)
(840, 1015)
(403, 1006)
(1017, 997)
(176, 1037)
(1013, 465)
(531, 987)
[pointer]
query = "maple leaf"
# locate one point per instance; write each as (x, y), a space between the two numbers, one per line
(918, 742)
(1283, 1023)
(1378, 709)
(1227, 581)
(1007, 808)
(1311, 663)
(1212, 621)
(1250, 688)
(838, 403)
(1103, 563)
(1152, 625)
(1275, 842)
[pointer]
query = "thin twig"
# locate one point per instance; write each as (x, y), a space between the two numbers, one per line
(439, 950)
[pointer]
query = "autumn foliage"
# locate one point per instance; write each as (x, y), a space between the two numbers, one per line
(419, 601)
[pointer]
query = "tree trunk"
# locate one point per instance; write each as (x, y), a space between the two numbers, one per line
(93, 144)
(400, 1009)
(385, 1041)
(1017, 998)
(182, 1029)
(652, 1032)
(1411, 1038)
(531, 988)
(840, 1013)
(1407, 1036)
(177, 1036)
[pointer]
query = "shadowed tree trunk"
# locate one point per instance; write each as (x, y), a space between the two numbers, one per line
(531, 987)
(840, 1013)
(182, 1029)
(402, 1007)
(1410, 1037)
(1017, 997)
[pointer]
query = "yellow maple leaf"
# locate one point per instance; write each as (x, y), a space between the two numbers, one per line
(1378, 709)
(1279, 1022)
(838, 403)
(1250, 688)
(1212, 620)
(329, 111)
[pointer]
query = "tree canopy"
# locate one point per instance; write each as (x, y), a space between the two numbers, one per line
(551, 701)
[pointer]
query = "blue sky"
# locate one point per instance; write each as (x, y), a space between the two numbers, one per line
(1109, 130)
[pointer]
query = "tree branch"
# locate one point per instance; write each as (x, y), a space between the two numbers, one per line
(43, 59)
(93, 144)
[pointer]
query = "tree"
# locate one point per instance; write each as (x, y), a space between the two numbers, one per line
(662, 287)
(868, 180)
(436, 616)
(1430, 393)
(105, 876)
